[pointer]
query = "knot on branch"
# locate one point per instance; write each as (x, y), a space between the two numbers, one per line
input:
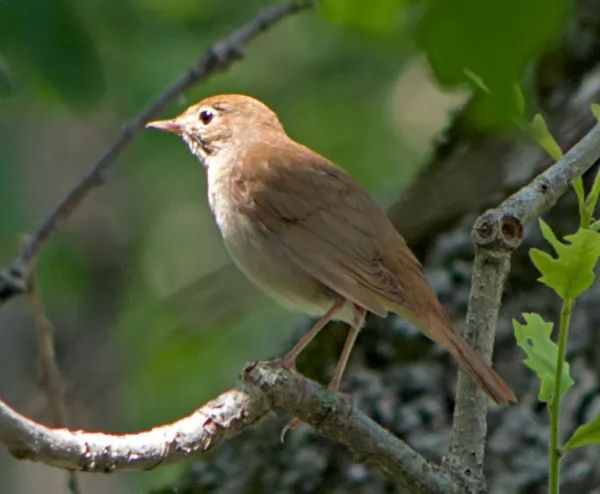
(498, 230)
(285, 389)
(271, 378)
(12, 282)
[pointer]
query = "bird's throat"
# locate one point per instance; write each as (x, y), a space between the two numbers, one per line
(199, 147)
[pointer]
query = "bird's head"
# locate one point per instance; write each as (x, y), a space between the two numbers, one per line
(223, 124)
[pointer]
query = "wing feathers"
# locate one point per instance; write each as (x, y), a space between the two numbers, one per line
(333, 230)
(330, 226)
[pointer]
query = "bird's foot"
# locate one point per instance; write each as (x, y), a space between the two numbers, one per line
(291, 425)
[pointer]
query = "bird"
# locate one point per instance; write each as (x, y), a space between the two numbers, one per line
(309, 235)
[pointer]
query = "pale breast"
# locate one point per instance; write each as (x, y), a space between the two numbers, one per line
(261, 258)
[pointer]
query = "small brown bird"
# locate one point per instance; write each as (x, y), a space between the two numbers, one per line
(310, 236)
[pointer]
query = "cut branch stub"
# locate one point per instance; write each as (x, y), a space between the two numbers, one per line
(497, 230)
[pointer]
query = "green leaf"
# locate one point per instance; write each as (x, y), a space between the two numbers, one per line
(587, 205)
(534, 338)
(585, 434)
(578, 187)
(494, 40)
(538, 131)
(595, 226)
(572, 271)
(477, 81)
(592, 199)
(53, 49)
(596, 110)
(377, 17)
(520, 100)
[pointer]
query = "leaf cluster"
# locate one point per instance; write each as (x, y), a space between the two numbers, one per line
(569, 273)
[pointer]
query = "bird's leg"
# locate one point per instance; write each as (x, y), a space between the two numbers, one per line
(357, 322)
(334, 385)
(289, 360)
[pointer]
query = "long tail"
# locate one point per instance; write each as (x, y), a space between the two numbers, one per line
(486, 378)
(439, 330)
(421, 305)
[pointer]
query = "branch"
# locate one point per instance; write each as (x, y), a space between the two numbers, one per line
(51, 379)
(334, 416)
(267, 387)
(200, 431)
(217, 57)
(496, 234)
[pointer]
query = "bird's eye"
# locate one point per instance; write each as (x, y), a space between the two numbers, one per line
(206, 116)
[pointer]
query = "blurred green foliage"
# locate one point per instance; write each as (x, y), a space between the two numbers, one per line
(5, 78)
(485, 45)
(495, 41)
(380, 17)
(48, 41)
(73, 71)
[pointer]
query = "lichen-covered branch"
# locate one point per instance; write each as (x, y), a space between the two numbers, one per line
(267, 387)
(334, 416)
(217, 57)
(496, 234)
(542, 193)
(206, 427)
(469, 425)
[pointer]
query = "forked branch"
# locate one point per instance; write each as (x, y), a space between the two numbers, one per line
(496, 234)
(267, 387)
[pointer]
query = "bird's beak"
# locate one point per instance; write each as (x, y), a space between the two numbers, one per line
(166, 125)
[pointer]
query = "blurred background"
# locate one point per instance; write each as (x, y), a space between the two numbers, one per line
(151, 317)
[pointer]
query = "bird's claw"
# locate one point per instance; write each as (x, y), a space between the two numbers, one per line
(291, 425)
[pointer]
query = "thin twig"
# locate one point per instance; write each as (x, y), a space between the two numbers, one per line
(217, 57)
(496, 234)
(51, 379)
(267, 387)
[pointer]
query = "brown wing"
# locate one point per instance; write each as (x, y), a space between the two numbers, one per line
(328, 224)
